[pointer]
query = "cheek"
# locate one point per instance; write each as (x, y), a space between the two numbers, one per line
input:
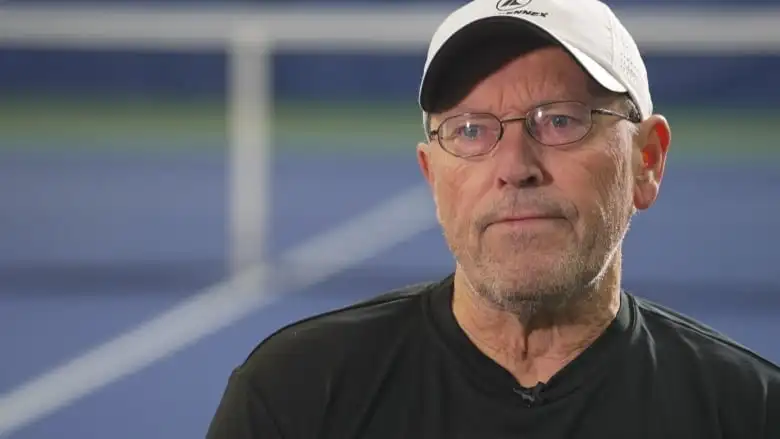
(615, 181)
(598, 183)
(607, 179)
(456, 194)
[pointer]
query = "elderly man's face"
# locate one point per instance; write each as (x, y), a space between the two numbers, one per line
(577, 199)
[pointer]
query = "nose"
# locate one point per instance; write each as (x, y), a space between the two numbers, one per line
(518, 163)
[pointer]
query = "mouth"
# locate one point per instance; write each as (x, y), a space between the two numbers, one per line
(525, 220)
(529, 217)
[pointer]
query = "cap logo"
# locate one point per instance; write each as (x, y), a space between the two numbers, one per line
(511, 5)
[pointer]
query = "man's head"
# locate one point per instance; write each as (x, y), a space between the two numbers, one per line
(541, 145)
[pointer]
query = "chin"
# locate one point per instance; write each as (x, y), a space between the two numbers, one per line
(531, 288)
(545, 279)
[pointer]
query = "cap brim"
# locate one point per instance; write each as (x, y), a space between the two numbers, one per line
(496, 26)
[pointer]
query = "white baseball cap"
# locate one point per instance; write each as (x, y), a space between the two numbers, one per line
(587, 29)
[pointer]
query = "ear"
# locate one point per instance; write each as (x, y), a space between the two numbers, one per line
(424, 160)
(653, 139)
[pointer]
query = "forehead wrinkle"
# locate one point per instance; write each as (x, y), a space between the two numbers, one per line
(514, 91)
(511, 89)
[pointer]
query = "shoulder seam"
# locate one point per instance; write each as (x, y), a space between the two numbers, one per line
(400, 293)
(261, 399)
(703, 330)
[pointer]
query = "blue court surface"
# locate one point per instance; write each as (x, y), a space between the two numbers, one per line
(117, 317)
(94, 244)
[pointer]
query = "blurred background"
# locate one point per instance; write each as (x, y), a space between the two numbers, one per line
(133, 185)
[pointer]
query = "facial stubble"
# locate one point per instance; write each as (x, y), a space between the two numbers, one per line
(547, 274)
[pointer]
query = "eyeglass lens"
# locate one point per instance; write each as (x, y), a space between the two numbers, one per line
(550, 124)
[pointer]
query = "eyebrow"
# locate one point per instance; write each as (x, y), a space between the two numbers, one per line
(458, 110)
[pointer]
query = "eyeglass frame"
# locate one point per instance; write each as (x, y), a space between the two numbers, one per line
(632, 117)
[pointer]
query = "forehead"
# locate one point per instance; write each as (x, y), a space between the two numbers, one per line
(509, 74)
(541, 75)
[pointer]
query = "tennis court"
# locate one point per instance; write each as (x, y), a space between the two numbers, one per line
(116, 317)
(97, 242)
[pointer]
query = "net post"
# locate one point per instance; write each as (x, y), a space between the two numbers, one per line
(250, 108)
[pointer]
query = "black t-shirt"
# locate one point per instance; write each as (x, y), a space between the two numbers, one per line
(399, 366)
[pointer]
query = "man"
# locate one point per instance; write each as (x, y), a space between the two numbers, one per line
(542, 143)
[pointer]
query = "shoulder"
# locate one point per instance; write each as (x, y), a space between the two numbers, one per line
(306, 369)
(689, 342)
(346, 335)
(296, 377)
(693, 357)
(383, 314)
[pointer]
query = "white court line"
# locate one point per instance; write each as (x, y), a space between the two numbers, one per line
(216, 307)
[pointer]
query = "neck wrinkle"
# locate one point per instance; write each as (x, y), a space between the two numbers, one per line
(534, 348)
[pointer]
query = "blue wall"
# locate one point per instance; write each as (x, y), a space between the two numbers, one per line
(675, 79)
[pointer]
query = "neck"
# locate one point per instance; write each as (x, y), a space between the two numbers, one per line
(535, 347)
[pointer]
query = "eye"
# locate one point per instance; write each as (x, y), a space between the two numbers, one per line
(560, 120)
(557, 122)
(556, 126)
(470, 131)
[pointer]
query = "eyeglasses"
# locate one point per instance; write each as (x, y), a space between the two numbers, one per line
(552, 124)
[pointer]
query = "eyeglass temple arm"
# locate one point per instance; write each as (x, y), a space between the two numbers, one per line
(631, 117)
